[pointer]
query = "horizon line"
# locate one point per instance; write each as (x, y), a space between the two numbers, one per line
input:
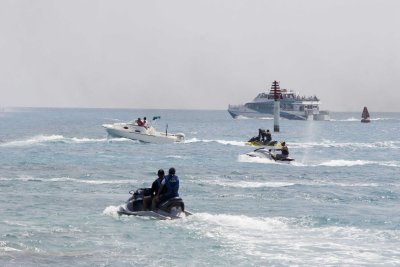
(136, 108)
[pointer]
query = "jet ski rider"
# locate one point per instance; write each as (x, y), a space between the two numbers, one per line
(169, 189)
(155, 186)
(268, 137)
(284, 151)
(139, 122)
(264, 136)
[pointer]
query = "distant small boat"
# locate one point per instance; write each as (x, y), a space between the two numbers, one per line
(365, 115)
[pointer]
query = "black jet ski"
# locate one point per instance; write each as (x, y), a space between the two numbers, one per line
(171, 209)
(269, 154)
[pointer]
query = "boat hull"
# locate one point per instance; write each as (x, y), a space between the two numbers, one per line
(243, 111)
(142, 134)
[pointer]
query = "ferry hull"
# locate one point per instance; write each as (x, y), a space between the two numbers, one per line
(249, 113)
(292, 106)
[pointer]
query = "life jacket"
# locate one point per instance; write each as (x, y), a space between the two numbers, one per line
(171, 185)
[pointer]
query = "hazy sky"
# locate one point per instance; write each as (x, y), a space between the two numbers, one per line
(201, 54)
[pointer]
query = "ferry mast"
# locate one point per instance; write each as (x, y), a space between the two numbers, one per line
(277, 105)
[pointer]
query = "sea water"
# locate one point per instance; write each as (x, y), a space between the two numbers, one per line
(62, 179)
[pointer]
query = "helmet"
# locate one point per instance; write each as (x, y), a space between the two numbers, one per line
(283, 143)
(160, 172)
(171, 171)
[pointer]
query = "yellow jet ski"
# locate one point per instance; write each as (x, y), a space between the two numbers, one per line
(268, 144)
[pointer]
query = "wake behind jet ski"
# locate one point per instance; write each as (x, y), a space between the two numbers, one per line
(173, 208)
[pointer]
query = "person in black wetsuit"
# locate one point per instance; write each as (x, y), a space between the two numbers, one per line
(268, 137)
(261, 134)
(284, 151)
(155, 186)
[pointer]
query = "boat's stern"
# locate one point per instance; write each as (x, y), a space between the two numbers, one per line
(180, 137)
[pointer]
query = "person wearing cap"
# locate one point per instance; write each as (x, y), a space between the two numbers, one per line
(169, 188)
(145, 122)
(155, 186)
(139, 122)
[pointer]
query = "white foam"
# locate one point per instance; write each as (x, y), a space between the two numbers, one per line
(33, 140)
(96, 182)
(195, 140)
(111, 211)
(349, 163)
(292, 241)
(248, 159)
(223, 142)
(232, 143)
(8, 249)
(340, 163)
(40, 139)
(174, 156)
(85, 140)
(328, 143)
(67, 179)
(250, 184)
(390, 163)
(351, 119)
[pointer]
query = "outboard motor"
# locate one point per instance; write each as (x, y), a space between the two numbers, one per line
(180, 137)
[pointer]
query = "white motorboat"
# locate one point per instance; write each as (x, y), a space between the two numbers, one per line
(147, 134)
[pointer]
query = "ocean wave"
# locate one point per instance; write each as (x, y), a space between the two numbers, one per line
(223, 142)
(41, 139)
(349, 163)
(302, 239)
(348, 119)
(342, 163)
(328, 144)
(325, 143)
(5, 248)
(173, 157)
(248, 184)
(68, 179)
(248, 159)
(330, 163)
(353, 119)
